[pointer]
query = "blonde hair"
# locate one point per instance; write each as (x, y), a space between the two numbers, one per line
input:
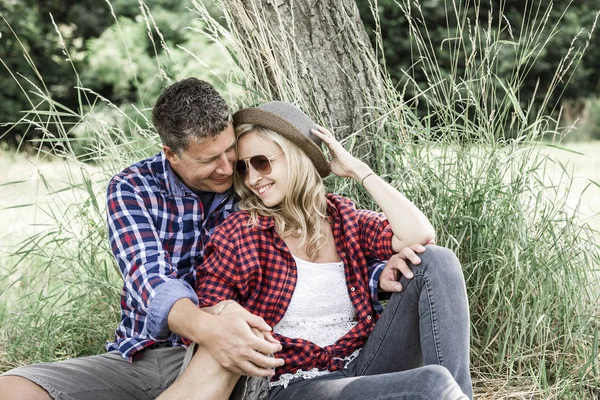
(304, 205)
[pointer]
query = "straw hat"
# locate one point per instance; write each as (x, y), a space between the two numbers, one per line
(290, 122)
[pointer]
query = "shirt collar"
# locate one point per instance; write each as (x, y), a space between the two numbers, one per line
(167, 180)
(173, 184)
(263, 222)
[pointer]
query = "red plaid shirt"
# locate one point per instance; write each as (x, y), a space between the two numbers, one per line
(254, 267)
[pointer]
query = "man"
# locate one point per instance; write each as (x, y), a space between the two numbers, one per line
(161, 211)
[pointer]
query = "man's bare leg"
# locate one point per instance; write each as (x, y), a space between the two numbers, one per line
(18, 388)
(203, 379)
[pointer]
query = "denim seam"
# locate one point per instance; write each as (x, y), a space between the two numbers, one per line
(434, 325)
(160, 371)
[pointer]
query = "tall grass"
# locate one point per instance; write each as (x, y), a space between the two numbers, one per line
(473, 164)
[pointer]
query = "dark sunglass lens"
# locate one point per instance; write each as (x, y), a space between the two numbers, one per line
(261, 164)
(240, 168)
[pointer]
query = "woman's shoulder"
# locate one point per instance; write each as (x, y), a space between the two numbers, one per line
(234, 224)
(338, 201)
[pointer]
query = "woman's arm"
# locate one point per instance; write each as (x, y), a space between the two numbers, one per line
(409, 224)
(232, 335)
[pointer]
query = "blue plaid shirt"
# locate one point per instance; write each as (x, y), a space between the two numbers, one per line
(157, 230)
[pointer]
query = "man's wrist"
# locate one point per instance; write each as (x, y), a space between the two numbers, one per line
(166, 295)
(187, 320)
(218, 309)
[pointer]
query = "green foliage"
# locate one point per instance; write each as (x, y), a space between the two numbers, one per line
(147, 44)
(28, 33)
(566, 25)
(122, 64)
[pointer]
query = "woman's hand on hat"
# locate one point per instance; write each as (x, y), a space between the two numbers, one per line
(343, 164)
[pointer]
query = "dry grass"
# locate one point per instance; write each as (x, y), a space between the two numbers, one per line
(585, 168)
(32, 190)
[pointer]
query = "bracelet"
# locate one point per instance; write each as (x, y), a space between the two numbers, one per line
(221, 306)
(362, 182)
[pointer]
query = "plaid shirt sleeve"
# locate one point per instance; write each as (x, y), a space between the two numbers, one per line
(143, 262)
(375, 267)
(217, 278)
(376, 235)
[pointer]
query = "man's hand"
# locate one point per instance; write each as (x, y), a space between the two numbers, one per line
(228, 336)
(242, 343)
(398, 264)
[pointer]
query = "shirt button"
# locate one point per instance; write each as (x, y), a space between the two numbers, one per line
(352, 289)
(369, 317)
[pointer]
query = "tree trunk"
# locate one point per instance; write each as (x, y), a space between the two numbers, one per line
(314, 53)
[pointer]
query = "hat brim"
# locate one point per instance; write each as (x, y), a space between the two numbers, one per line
(276, 123)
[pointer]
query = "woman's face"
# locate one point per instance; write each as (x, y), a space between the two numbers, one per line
(271, 186)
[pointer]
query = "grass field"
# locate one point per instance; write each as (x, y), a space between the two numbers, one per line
(35, 193)
(22, 218)
(24, 195)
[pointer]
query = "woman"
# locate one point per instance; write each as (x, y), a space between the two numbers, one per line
(297, 257)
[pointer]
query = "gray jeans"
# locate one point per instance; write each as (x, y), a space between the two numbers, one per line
(419, 348)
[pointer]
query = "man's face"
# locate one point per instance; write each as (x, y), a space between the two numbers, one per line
(206, 166)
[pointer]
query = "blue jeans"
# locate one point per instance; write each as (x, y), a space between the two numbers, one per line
(419, 348)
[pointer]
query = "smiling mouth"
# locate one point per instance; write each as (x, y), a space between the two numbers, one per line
(263, 189)
(226, 179)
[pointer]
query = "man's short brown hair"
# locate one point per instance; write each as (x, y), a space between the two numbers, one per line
(189, 109)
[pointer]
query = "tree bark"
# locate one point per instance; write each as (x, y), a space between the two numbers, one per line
(314, 53)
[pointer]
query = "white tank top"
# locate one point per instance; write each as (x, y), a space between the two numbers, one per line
(320, 311)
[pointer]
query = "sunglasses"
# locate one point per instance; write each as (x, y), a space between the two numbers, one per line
(261, 164)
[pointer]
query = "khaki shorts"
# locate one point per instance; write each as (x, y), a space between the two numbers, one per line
(110, 377)
(107, 376)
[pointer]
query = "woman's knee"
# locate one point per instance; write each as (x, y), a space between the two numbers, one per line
(438, 383)
(440, 261)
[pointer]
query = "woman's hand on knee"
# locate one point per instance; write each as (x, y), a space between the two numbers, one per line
(398, 265)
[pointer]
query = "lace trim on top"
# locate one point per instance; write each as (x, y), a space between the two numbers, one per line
(285, 379)
(320, 309)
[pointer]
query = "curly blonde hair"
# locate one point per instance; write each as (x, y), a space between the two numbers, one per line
(304, 206)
